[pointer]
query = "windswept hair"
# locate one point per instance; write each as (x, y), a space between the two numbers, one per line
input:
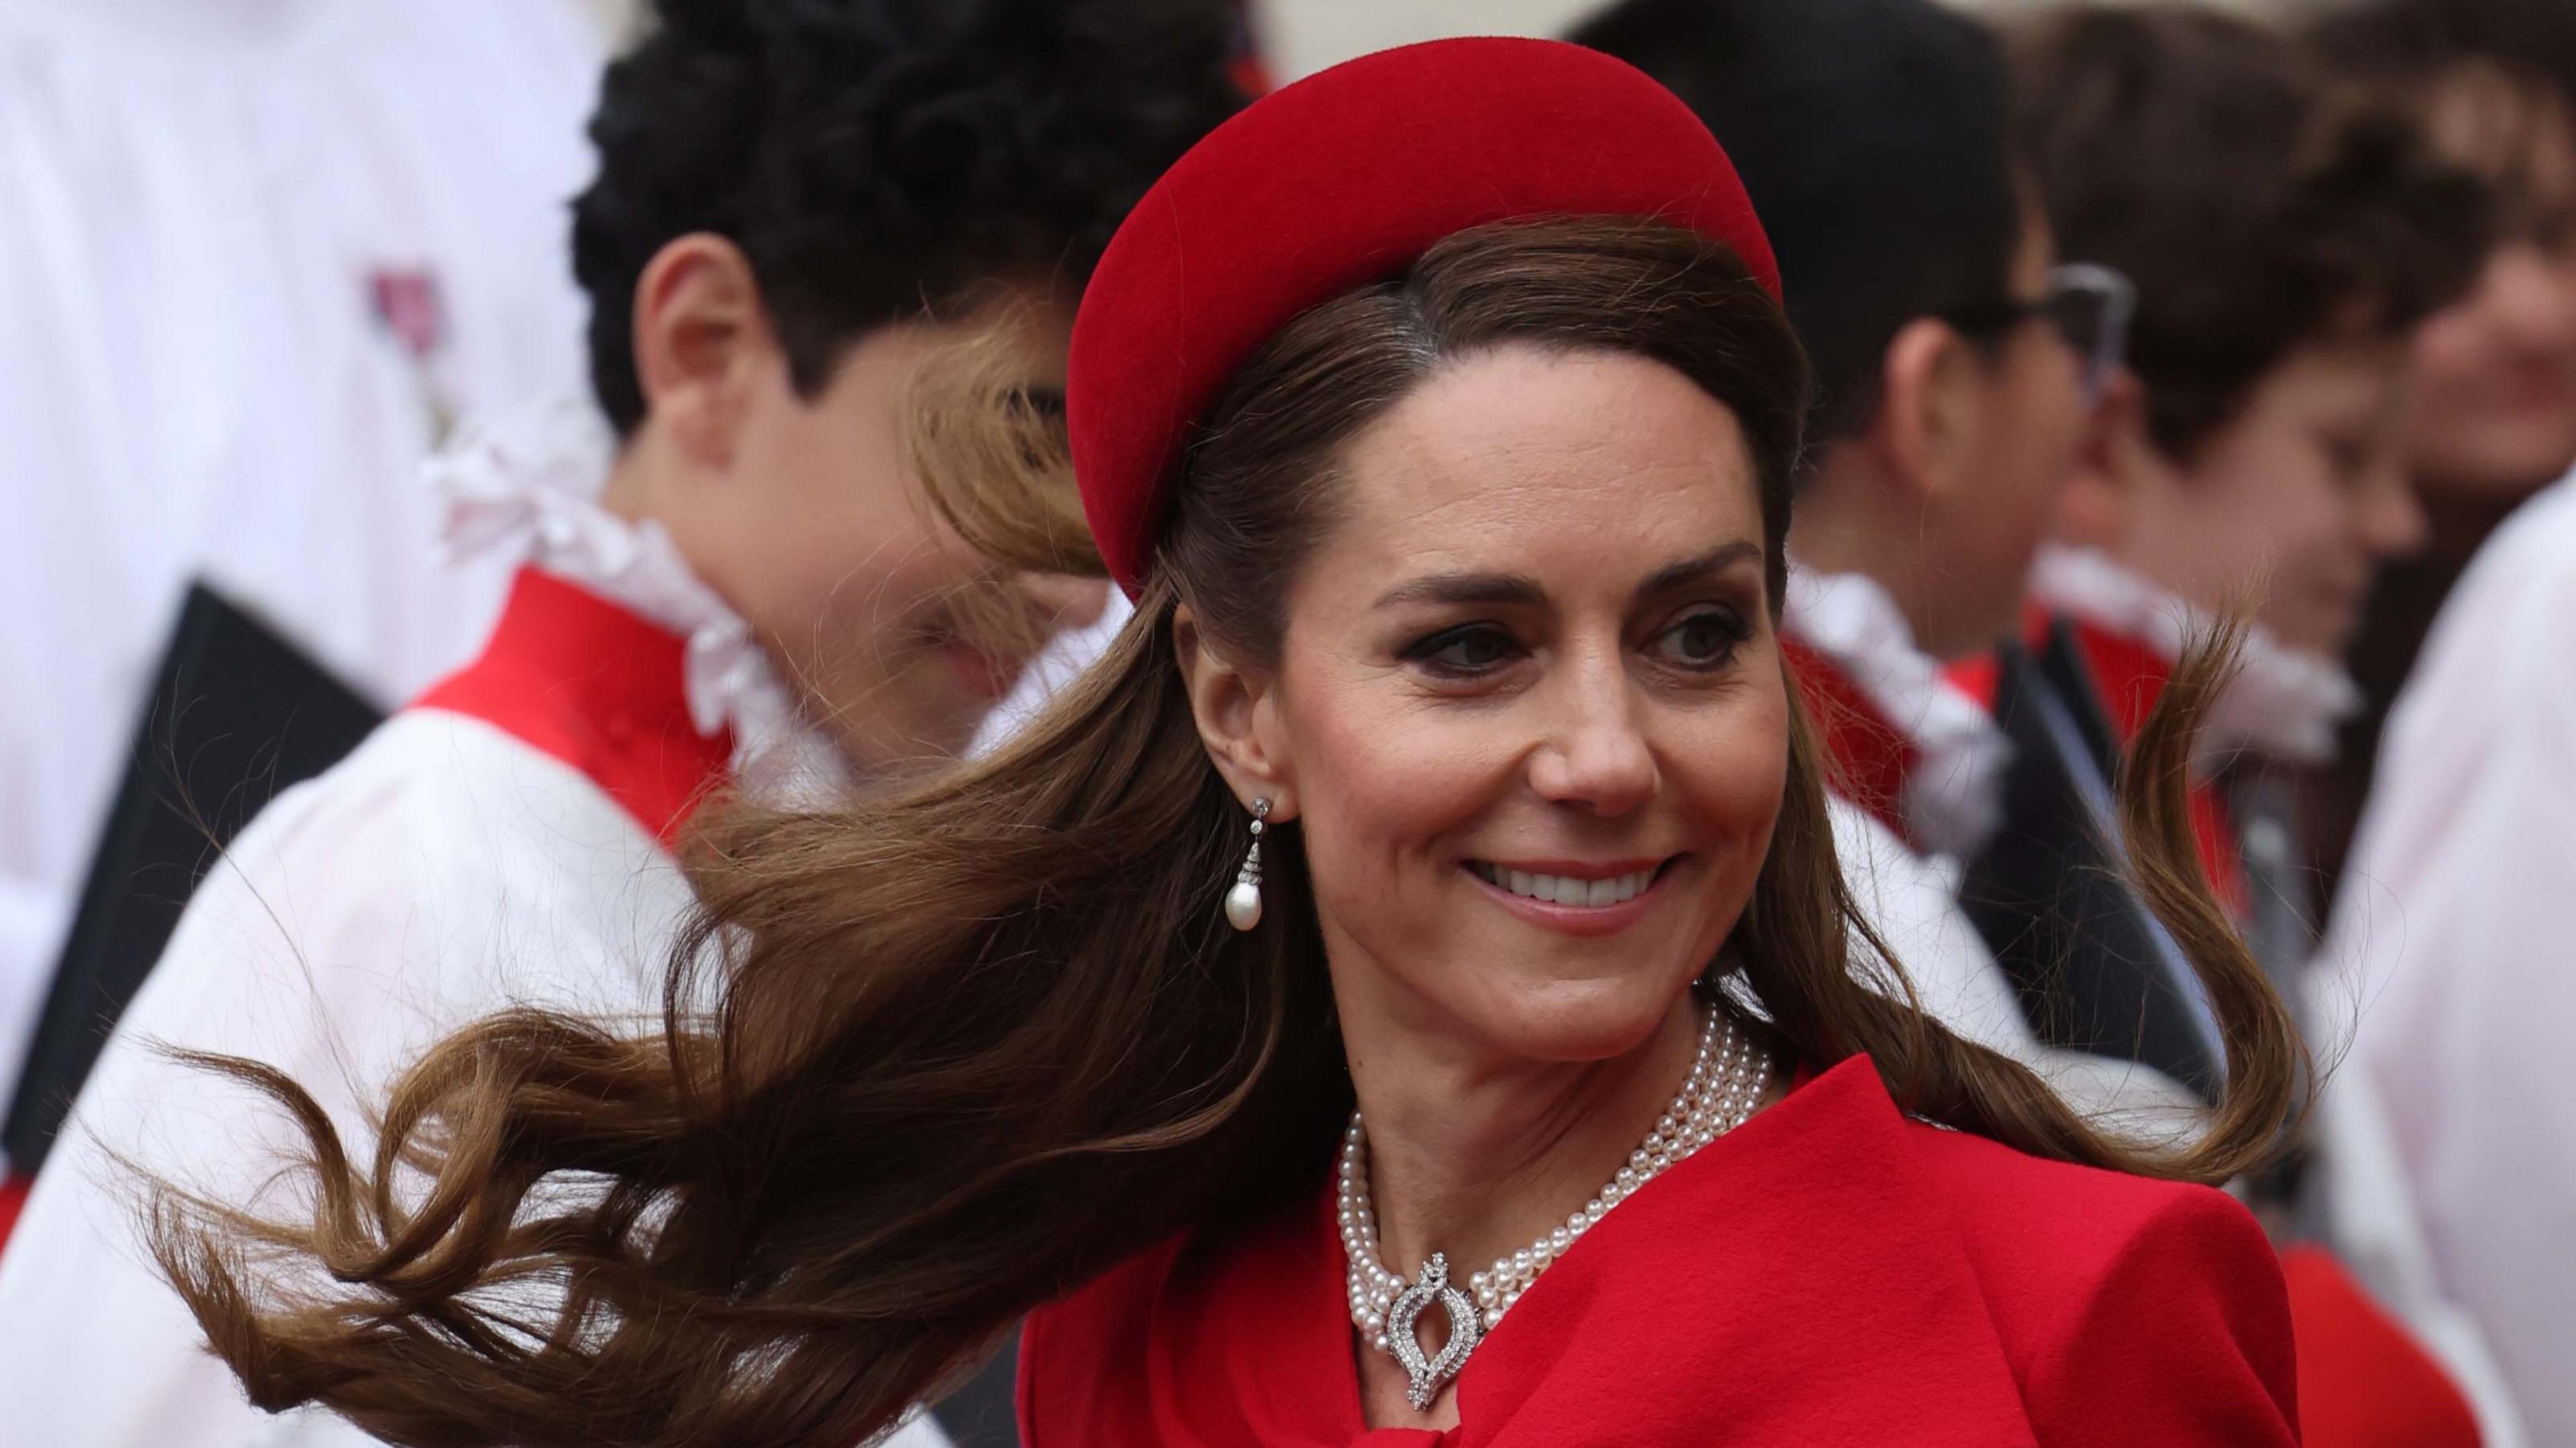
(931, 1061)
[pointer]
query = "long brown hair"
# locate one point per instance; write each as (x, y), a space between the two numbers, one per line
(933, 1060)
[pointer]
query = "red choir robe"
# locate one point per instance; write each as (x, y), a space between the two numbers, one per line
(1906, 743)
(1830, 1273)
(1872, 758)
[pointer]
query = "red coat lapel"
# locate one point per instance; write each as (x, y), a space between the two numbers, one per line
(1785, 1261)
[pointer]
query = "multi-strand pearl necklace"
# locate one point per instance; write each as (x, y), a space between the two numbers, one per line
(1725, 1084)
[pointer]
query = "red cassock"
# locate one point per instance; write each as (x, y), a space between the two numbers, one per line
(1831, 1273)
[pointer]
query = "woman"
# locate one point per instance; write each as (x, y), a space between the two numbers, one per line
(1446, 770)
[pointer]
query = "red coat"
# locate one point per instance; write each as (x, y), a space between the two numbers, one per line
(1832, 1273)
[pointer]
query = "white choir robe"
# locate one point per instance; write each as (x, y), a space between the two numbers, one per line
(446, 869)
(254, 252)
(1912, 901)
(2449, 948)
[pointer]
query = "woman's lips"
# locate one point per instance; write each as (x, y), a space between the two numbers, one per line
(1574, 898)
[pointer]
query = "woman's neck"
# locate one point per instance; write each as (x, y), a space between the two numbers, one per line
(1475, 1157)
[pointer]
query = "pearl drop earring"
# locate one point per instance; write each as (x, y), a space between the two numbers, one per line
(1243, 902)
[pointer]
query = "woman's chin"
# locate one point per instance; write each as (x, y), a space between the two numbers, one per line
(1585, 1020)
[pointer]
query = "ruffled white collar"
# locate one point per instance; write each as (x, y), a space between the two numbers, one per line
(1953, 796)
(527, 484)
(2284, 703)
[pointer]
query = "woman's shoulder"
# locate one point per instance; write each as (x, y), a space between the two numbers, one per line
(2043, 1231)
(2109, 1287)
(2065, 1211)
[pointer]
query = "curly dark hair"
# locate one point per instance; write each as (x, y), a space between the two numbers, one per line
(2257, 208)
(876, 158)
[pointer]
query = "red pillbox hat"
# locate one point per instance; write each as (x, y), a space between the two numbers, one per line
(1339, 181)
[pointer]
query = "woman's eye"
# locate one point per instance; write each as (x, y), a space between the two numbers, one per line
(1705, 639)
(1473, 649)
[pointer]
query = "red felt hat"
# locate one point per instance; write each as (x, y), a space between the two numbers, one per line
(1340, 180)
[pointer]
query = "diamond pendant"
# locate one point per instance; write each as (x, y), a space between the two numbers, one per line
(1466, 1327)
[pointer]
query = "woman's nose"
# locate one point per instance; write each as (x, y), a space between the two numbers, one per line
(1597, 759)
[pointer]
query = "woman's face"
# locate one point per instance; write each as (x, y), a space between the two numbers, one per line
(1528, 706)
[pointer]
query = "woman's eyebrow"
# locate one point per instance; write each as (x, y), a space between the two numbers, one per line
(1511, 588)
(1515, 588)
(1698, 570)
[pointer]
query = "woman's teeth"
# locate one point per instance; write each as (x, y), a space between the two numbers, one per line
(1565, 889)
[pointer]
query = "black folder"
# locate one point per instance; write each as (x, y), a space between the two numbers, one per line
(236, 714)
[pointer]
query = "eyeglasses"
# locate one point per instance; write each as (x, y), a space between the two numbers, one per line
(2089, 306)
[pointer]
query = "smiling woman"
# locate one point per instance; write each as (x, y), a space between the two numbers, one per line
(1453, 517)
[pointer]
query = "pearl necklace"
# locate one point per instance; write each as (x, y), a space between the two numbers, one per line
(1726, 1080)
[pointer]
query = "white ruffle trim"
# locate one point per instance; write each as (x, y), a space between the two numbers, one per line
(2285, 703)
(528, 483)
(1953, 797)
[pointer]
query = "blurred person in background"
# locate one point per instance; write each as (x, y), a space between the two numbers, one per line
(256, 256)
(2252, 456)
(2494, 410)
(2456, 1182)
(740, 568)
(1952, 363)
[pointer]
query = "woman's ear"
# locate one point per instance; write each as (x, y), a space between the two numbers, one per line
(1929, 409)
(1238, 718)
(701, 335)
